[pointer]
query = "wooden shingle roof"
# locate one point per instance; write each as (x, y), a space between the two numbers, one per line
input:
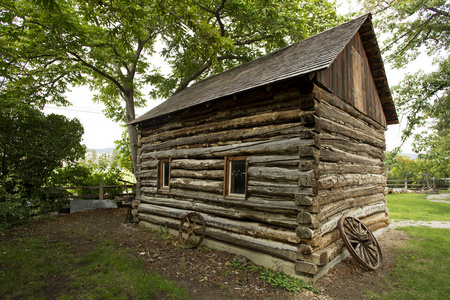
(310, 55)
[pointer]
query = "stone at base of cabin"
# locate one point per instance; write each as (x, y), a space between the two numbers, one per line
(306, 267)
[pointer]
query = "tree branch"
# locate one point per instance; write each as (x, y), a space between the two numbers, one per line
(193, 75)
(248, 42)
(225, 57)
(439, 12)
(98, 71)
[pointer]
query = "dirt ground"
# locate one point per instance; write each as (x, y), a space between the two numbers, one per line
(205, 272)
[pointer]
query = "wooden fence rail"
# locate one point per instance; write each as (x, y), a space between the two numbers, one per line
(101, 193)
(415, 184)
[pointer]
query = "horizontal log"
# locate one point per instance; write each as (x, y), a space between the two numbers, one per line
(341, 180)
(344, 168)
(158, 220)
(272, 188)
(277, 249)
(362, 212)
(331, 209)
(223, 135)
(198, 174)
(335, 101)
(328, 196)
(274, 161)
(331, 154)
(256, 203)
(220, 114)
(197, 184)
(147, 182)
(327, 211)
(198, 164)
(323, 256)
(148, 190)
(244, 213)
(275, 146)
(336, 128)
(147, 174)
(376, 219)
(148, 164)
(351, 146)
(253, 229)
(272, 174)
(330, 224)
(327, 111)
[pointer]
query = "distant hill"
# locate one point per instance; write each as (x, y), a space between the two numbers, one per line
(103, 150)
(411, 155)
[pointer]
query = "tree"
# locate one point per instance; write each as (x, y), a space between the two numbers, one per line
(219, 35)
(109, 44)
(32, 146)
(415, 26)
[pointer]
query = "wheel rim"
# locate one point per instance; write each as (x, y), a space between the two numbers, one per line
(192, 230)
(360, 242)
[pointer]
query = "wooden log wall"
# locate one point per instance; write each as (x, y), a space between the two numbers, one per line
(350, 178)
(266, 128)
(311, 158)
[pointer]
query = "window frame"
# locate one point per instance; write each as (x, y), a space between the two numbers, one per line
(227, 181)
(161, 173)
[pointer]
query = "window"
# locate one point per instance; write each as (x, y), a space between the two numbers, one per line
(164, 173)
(236, 176)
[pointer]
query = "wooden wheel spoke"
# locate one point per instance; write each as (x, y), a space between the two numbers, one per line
(192, 230)
(360, 242)
(372, 256)
(350, 229)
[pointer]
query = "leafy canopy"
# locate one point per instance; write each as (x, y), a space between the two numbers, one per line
(32, 146)
(109, 45)
(413, 27)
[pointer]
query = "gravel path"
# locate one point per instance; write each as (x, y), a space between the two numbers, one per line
(432, 224)
(445, 198)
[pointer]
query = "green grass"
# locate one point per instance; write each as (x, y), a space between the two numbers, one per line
(422, 269)
(25, 262)
(38, 268)
(416, 207)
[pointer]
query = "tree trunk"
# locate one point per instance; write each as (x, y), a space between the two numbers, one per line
(132, 132)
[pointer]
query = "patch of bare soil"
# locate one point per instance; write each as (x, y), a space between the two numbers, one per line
(205, 272)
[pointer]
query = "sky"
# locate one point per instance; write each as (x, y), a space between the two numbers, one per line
(100, 132)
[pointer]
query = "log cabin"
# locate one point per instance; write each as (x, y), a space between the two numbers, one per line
(273, 152)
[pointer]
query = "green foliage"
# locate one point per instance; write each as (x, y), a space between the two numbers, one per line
(123, 152)
(89, 173)
(412, 27)
(277, 279)
(415, 207)
(209, 37)
(422, 268)
(32, 146)
(48, 45)
(401, 166)
(425, 99)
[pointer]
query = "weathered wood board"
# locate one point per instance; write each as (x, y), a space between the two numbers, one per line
(82, 205)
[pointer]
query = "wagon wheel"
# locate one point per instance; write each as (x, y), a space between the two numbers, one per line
(360, 242)
(192, 230)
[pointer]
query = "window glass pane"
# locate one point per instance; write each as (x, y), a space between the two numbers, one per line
(166, 173)
(237, 176)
